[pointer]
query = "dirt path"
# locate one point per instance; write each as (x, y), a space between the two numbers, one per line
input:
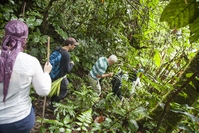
(38, 105)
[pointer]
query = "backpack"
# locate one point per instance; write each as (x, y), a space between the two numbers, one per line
(117, 84)
(117, 80)
(55, 59)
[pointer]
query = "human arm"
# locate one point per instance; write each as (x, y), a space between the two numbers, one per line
(104, 75)
(67, 65)
(41, 80)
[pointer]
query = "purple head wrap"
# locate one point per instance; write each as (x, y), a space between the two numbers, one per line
(13, 43)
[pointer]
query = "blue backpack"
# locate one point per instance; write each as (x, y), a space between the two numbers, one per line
(55, 59)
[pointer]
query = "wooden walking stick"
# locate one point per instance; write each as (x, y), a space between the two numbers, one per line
(44, 105)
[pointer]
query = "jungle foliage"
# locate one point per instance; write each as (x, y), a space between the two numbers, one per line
(161, 35)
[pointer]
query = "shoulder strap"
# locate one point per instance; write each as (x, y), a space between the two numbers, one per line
(59, 49)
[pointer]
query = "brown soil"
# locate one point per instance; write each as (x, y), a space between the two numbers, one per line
(38, 105)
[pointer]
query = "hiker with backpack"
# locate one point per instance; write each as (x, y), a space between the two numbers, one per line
(98, 71)
(61, 65)
(19, 71)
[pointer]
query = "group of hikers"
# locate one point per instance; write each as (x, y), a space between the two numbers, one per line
(19, 70)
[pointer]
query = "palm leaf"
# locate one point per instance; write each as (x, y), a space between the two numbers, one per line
(179, 13)
(55, 88)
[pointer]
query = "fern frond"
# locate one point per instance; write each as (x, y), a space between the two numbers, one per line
(85, 119)
(52, 122)
(85, 116)
(66, 109)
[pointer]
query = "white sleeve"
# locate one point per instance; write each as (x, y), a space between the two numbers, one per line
(41, 81)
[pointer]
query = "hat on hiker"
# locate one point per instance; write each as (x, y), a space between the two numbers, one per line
(72, 41)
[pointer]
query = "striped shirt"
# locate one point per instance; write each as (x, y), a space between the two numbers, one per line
(99, 67)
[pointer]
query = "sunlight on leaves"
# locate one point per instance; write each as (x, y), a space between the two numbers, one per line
(157, 58)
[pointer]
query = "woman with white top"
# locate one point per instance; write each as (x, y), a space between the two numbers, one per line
(18, 71)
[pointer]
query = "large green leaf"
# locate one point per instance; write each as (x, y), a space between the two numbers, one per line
(133, 125)
(179, 13)
(157, 58)
(194, 27)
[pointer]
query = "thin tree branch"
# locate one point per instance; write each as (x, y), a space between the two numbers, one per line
(166, 107)
(45, 22)
(24, 8)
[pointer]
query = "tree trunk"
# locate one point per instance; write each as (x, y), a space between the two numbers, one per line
(164, 117)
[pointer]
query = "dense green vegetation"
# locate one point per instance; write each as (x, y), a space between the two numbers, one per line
(162, 35)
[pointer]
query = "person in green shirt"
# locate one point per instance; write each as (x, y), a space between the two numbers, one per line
(98, 71)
